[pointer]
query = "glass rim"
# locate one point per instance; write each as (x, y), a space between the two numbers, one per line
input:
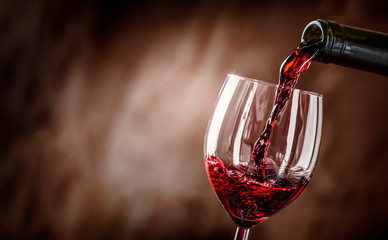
(273, 84)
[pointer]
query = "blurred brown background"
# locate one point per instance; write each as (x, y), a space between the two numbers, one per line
(104, 106)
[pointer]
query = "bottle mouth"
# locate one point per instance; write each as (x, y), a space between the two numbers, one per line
(314, 31)
(319, 31)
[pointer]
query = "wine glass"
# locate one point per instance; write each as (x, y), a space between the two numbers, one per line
(250, 193)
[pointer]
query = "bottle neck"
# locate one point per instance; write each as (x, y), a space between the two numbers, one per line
(348, 46)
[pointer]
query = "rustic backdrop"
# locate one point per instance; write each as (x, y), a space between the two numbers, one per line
(104, 105)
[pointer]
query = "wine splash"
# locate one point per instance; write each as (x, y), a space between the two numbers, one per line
(248, 200)
(250, 197)
(293, 65)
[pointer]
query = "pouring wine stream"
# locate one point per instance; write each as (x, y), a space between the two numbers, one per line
(298, 61)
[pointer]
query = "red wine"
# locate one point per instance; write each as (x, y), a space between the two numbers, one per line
(250, 197)
(290, 70)
(247, 199)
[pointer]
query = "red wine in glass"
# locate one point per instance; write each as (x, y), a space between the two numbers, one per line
(250, 184)
(247, 199)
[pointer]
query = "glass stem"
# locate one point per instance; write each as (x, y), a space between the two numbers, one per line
(241, 233)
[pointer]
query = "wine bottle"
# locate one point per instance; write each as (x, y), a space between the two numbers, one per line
(348, 46)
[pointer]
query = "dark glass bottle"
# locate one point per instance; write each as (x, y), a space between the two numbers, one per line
(349, 46)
